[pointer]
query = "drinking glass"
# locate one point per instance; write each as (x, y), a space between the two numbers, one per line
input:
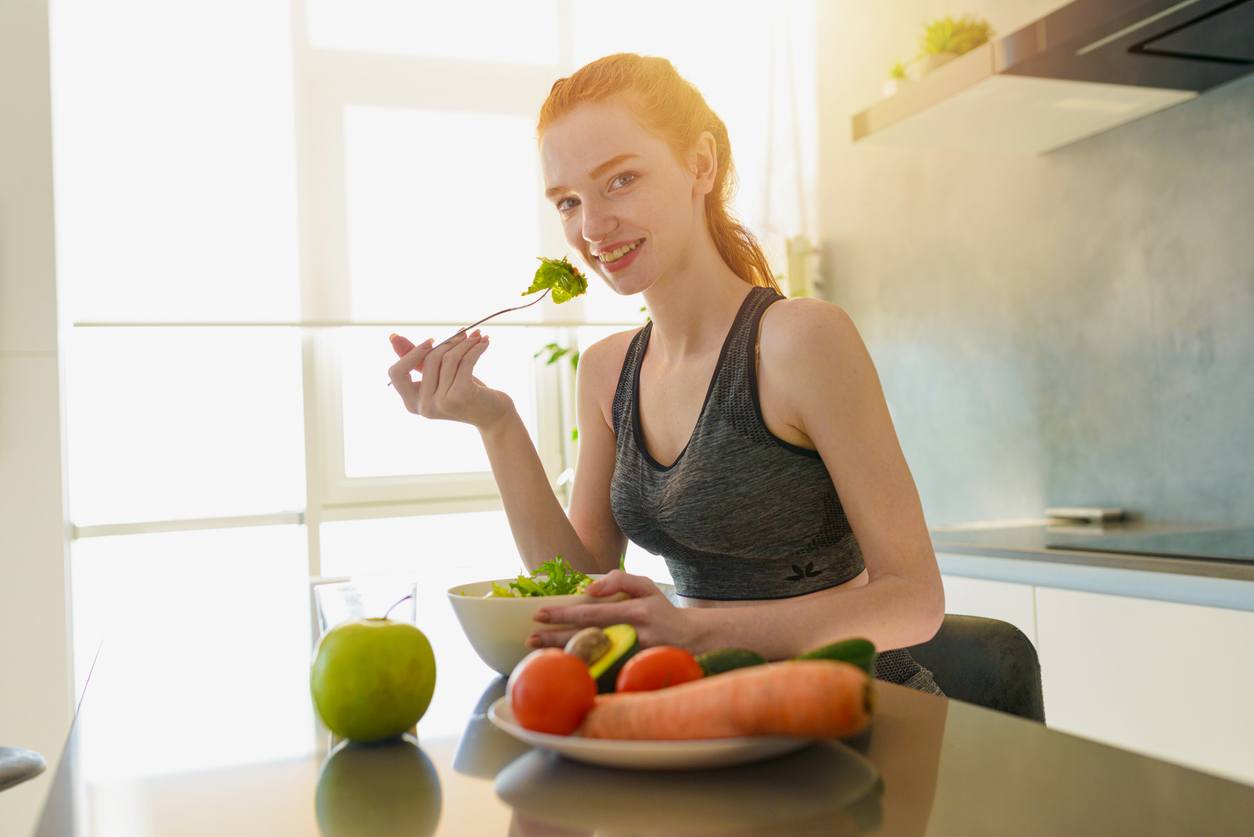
(343, 600)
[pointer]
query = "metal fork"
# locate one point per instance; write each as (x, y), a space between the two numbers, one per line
(485, 319)
(517, 308)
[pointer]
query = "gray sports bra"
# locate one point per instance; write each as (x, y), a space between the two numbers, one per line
(741, 513)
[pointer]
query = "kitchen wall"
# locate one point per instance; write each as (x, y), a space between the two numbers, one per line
(1069, 328)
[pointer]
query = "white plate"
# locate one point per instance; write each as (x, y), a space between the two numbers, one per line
(649, 755)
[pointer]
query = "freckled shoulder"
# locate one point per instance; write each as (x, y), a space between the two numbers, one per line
(794, 331)
(808, 353)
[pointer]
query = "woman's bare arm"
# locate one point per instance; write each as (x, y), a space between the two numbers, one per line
(590, 512)
(540, 526)
(449, 390)
(588, 539)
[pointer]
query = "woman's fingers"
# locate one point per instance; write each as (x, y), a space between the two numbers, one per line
(586, 615)
(401, 345)
(448, 388)
(433, 369)
(408, 353)
(399, 373)
(551, 639)
(619, 581)
(465, 369)
(451, 361)
(567, 621)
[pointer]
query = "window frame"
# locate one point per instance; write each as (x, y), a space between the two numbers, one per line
(326, 83)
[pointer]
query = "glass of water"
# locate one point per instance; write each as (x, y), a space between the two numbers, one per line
(344, 600)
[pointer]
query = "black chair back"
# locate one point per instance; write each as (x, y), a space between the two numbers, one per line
(986, 662)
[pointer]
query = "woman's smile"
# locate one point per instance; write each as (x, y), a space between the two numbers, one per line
(622, 257)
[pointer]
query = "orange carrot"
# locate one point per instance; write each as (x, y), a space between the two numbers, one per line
(807, 698)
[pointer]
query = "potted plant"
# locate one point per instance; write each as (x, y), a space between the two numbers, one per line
(945, 39)
(896, 78)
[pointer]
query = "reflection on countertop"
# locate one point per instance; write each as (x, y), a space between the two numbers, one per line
(387, 788)
(825, 784)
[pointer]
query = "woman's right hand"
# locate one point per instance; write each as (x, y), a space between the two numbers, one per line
(447, 388)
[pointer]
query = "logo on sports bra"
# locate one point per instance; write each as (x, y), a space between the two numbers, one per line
(808, 572)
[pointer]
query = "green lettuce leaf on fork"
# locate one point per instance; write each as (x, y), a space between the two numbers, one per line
(560, 275)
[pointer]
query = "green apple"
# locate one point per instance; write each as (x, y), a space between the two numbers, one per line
(372, 678)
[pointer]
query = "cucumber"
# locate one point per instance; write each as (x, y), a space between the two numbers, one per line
(859, 651)
(726, 659)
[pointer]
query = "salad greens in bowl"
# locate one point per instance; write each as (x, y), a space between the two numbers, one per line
(553, 578)
(497, 614)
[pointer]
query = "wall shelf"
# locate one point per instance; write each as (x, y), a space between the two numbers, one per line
(970, 104)
(1086, 67)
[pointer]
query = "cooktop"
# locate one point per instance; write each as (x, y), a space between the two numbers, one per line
(1235, 544)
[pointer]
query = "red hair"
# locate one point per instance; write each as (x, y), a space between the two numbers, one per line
(671, 108)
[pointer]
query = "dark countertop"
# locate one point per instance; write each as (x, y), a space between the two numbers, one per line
(205, 727)
(1030, 541)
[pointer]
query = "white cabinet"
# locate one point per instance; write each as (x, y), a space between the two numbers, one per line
(1002, 600)
(1170, 680)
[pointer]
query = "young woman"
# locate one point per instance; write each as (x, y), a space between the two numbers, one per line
(741, 435)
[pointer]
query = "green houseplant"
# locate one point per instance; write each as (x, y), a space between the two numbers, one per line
(896, 78)
(944, 40)
(956, 36)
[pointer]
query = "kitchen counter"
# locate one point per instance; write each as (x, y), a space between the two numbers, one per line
(220, 738)
(1021, 553)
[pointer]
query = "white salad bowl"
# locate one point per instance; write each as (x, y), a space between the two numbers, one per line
(498, 626)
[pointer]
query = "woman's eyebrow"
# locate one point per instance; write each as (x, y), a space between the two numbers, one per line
(594, 174)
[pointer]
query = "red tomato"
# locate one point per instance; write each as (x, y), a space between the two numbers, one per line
(551, 691)
(658, 667)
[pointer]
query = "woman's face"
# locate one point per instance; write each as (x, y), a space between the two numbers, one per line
(613, 185)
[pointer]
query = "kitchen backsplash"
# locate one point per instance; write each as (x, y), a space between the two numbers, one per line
(1072, 328)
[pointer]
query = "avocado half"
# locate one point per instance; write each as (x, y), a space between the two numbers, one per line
(623, 645)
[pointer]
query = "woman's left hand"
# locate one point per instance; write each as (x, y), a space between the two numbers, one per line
(657, 621)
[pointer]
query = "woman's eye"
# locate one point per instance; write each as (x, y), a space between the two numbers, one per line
(561, 205)
(621, 176)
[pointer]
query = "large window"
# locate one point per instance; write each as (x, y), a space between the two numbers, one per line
(250, 196)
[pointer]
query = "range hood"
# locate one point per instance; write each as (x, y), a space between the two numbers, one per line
(1083, 69)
